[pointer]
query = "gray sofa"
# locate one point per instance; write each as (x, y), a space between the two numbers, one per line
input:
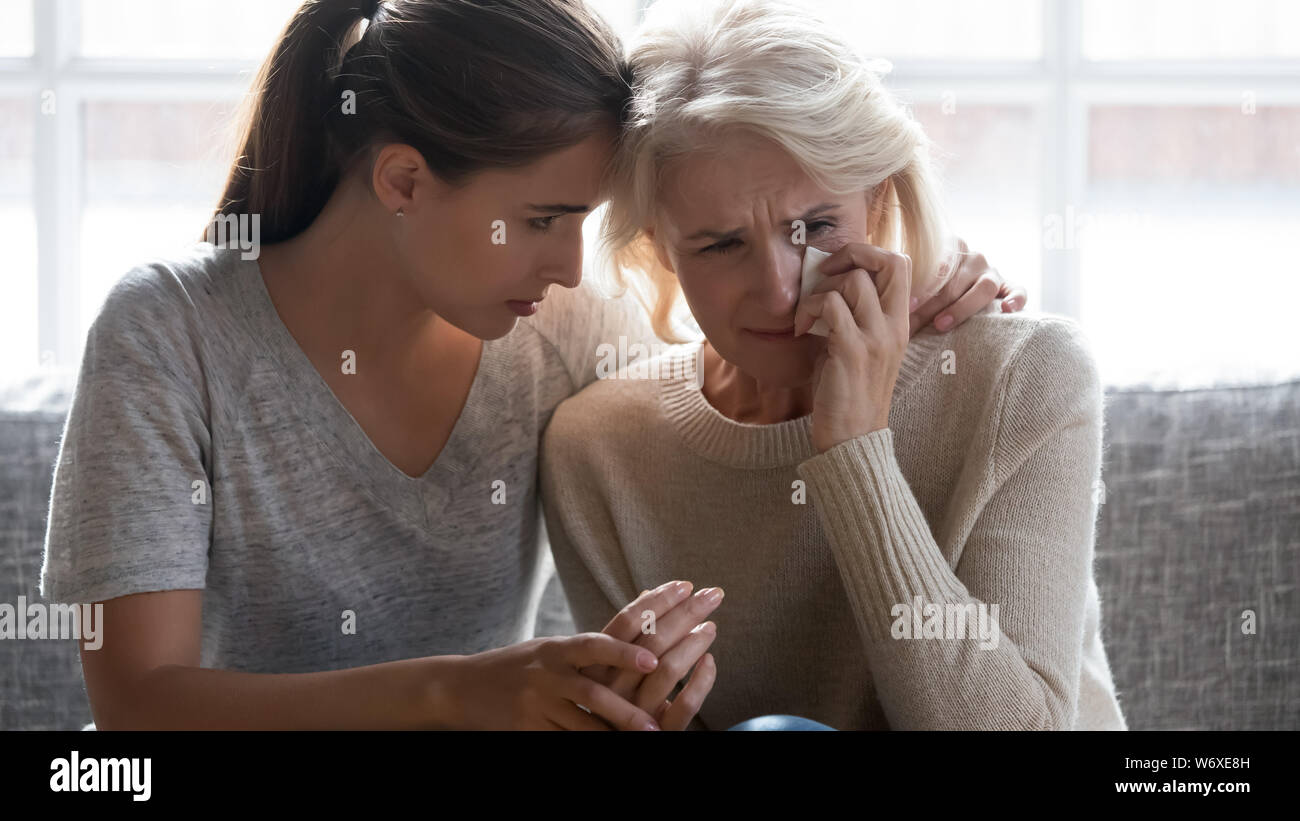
(1200, 522)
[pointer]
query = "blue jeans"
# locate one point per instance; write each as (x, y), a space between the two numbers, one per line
(780, 722)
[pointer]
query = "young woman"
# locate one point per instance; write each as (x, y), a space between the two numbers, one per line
(904, 528)
(302, 483)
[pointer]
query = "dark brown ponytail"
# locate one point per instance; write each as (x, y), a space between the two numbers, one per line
(470, 84)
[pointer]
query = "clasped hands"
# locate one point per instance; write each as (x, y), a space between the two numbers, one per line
(669, 622)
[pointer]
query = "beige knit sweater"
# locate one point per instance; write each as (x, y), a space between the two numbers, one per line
(982, 491)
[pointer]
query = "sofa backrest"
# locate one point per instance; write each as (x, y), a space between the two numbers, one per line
(1200, 528)
(1200, 523)
(40, 680)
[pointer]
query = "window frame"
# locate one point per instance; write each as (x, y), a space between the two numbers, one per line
(1059, 88)
(59, 158)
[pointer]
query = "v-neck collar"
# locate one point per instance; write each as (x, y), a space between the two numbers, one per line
(419, 499)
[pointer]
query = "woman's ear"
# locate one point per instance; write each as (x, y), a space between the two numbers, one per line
(397, 170)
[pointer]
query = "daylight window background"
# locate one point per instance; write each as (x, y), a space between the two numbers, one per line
(1135, 165)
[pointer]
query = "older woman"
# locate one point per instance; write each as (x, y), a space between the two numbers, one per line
(904, 529)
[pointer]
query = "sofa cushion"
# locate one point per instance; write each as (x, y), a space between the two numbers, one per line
(1201, 523)
(40, 679)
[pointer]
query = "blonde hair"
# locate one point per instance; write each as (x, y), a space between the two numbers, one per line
(704, 67)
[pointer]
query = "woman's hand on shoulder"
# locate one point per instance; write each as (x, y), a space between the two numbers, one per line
(969, 291)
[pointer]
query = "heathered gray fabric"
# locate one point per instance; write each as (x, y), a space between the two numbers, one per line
(189, 375)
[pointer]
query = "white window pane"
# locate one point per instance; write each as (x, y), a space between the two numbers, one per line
(18, 308)
(16, 31)
(941, 29)
(1190, 29)
(194, 29)
(989, 160)
(1186, 243)
(154, 172)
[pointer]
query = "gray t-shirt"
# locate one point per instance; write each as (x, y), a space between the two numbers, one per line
(203, 450)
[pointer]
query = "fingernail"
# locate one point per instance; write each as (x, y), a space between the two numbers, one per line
(915, 301)
(709, 596)
(943, 322)
(682, 589)
(647, 660)
(650, 725)
(707, 627)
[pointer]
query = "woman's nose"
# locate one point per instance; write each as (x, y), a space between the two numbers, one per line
(564, 267)
(777, 280)
(566, 276)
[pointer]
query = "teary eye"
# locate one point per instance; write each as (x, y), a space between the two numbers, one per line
(721, 247)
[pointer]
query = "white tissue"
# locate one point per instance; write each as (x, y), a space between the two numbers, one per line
(812, 257)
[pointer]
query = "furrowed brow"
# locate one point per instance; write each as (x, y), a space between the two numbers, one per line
(818, 210)
(709, 233)
(714, 234)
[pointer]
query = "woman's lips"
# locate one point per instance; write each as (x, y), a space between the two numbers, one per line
(783, 335)
(523, 307)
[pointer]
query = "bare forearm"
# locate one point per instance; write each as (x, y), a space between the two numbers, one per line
(407, 694)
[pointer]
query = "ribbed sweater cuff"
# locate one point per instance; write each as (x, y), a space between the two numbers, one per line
(877, 532)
